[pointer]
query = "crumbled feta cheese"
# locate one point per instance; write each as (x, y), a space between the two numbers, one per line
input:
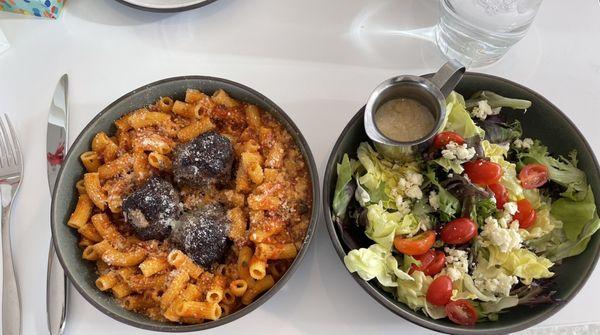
(459, 152)
(402, 206)
(499, 285)
(414, 178)
(483, 109)
(505, 219)
(506, 239)
(414, 191)
(525, 143)
(399, 200)
(453, 273)
(511, 207)
(434, 200)
(403, 183)
(457, 259)
(409, 185)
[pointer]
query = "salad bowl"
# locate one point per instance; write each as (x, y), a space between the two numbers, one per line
(542, 121)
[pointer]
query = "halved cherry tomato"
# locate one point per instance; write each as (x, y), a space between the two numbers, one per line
(425, 260)
(440, 291)
(416, 245)
(459, 231)
(440, 140)
(483, 172)
(500, 193)
(437, 264)
(533, 175)
(525, 214)
(432, 262)
(462, 312)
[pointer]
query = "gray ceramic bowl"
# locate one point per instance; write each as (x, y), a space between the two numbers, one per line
(82, 273)
(543, 121)
(167, 9)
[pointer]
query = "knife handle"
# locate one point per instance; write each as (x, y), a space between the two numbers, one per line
(56, 294)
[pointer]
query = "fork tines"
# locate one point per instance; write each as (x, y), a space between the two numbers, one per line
(10, 152)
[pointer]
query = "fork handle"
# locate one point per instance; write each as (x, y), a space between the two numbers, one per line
(11, 302)
(56, 294)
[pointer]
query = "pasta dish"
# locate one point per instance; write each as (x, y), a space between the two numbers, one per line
(193, 208)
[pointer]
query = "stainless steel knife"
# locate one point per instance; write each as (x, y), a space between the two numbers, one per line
(56, 146)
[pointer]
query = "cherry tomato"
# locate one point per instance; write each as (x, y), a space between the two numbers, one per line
(416, 245)
(436, 265)
(525, 214)
(440, 140)
(432, 262)
(483, 172)
(500, 193)
(440, 291)
(533, 175)
(425, 260)
(459, 231)
(461, 312)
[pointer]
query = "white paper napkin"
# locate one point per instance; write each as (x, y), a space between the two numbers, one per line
(3, 42)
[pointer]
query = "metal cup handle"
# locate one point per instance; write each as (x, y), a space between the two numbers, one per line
(448, 76)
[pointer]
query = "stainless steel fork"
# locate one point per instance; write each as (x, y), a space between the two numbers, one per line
(11, 170)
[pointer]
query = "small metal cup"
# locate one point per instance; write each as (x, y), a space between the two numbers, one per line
(430, 92)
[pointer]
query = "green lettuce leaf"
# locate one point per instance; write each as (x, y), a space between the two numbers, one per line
(522, 263)
(449, 165)
(478, 209)
(469, 286)
(458, 119)
(383, 226)
(574, 214)
(569, 248)
(449, 204)
(343, 188)
(509, 179)
(496, 100)
(495, 307)
(413, 292)
(361, 195)
(408, 261)
(381, 176)
(542, 226)
(375, 262)
(560, 170)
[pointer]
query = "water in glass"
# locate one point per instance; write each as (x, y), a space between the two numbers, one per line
(479, 32)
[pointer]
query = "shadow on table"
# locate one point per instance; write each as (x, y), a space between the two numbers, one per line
(382, 34)
(111, 12)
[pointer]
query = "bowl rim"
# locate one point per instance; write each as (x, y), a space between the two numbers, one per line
(173, 9)
(315, 212)
(423, 320)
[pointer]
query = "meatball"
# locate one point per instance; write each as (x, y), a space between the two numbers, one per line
(206, 160)
(151, 208)
(202, 234)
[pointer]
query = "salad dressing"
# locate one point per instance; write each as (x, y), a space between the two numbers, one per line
(404, 120)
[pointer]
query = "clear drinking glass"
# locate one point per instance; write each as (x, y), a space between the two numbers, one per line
(479, 32)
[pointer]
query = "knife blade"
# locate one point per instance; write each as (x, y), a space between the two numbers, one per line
(56, 146)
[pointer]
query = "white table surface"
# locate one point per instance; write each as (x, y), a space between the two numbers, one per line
(318, 60)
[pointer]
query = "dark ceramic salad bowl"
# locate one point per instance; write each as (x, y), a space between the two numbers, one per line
(542, 121)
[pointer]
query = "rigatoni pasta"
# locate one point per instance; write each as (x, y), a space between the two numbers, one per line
(266, 208)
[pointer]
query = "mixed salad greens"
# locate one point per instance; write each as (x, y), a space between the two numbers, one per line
(472, 227)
